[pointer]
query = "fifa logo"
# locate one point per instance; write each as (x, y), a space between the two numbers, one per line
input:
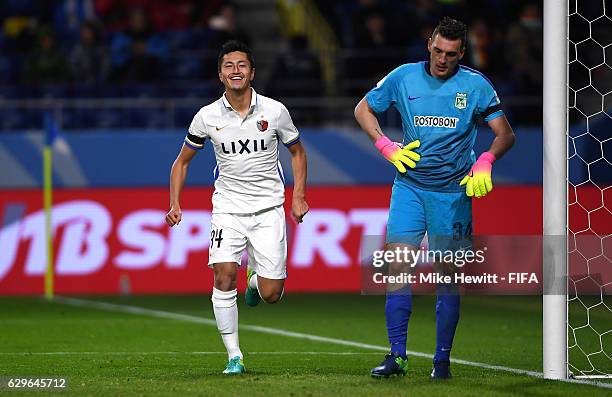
(246, 146)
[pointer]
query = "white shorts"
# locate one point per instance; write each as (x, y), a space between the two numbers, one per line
(263, 234)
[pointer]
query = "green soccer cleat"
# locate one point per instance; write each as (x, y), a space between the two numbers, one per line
(251, 295)
(235, 366)
(393, 364)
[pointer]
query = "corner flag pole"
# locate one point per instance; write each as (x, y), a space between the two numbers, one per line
(50, 134)
(555, 190)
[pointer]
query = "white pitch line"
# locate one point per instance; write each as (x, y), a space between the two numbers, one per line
(275, 331)
(102, 353)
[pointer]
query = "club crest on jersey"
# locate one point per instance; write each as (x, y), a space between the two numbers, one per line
(262, 125)
(461, 101)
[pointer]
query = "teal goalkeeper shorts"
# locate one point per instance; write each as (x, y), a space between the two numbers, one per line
(445, 216)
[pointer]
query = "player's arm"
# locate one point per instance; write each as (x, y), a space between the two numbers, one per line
(367, 120)
(478, 182)
(504, 136)
(178, 173)
(299, 206)
(399, 156)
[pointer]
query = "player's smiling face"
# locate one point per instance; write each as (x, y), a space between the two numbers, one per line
(444, 56)
(236, 72)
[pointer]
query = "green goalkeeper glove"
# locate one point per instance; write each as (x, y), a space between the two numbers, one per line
(478, 182)
(397, 154)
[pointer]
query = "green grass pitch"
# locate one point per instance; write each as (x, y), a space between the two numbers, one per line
(111, 352)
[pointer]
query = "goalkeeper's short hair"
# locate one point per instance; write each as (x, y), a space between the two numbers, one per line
(451, 29)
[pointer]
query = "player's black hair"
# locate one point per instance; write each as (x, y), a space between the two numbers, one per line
(235, 45)
(451, 29)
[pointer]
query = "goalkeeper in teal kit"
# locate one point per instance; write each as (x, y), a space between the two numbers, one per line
(440, 103)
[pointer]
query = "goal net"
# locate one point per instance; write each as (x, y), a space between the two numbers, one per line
(589, 191)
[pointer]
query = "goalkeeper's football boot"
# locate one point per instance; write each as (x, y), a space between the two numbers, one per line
(251, 295)
(393, 364)
(441, 370)
(235, 366)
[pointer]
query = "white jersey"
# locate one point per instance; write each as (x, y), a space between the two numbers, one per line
(248, 175)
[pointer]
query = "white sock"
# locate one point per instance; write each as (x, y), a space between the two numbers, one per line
(253, 282)
(231, 345)
(226, 314)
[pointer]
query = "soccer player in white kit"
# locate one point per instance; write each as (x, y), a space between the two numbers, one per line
(245, 129)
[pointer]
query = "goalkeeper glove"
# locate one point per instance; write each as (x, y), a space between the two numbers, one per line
(478, 182)
(397, 154)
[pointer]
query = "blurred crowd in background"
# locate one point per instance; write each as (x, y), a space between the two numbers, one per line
(505, 37)
(89, 42)
(168, 48)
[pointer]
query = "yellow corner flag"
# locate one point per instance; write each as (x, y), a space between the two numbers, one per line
(50, 134)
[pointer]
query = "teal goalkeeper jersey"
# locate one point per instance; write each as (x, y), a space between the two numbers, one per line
(442, 114)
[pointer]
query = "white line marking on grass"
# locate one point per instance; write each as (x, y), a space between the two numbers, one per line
(102, 353)
(201, 320)
(275, 331)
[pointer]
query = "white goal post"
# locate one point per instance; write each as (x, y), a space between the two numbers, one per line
(577, 181)
(554, 181)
